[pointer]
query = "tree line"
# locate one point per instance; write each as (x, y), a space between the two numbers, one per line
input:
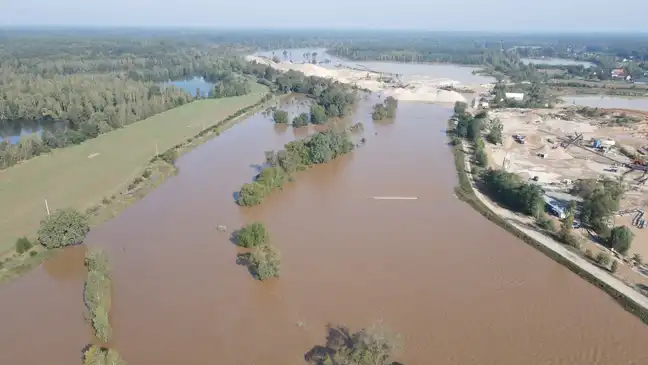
(81, 89)
(320, 148)
(470, 127)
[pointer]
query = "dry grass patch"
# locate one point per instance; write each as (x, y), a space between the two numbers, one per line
(68, 178)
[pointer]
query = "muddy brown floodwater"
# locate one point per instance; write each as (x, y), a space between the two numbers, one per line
(459, 289)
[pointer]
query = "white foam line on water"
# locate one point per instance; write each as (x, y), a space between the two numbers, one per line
(395, 198)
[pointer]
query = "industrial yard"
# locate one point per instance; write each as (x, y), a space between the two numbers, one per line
(556, 147)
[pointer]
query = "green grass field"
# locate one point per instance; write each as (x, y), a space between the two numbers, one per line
(81, 176)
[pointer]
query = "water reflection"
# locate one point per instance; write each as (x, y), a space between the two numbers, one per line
(68, 264)
(280, 128)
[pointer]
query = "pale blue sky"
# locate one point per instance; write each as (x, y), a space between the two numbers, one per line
(489, 15)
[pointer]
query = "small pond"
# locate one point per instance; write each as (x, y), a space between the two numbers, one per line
(192, 86)
(12, 131)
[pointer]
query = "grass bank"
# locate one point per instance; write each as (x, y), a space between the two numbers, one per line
(105, 175)
(97, 293)
(465, 192)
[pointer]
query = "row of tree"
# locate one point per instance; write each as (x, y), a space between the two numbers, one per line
(97, 292)
(320, 148)
(470, 127)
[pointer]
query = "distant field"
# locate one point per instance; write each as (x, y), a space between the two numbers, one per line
(83, 175)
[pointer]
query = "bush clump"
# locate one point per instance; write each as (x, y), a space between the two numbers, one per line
(169, 156)
(301, 120)
(544, 223)
(280, 117)
(63, 228)
(603, 259)
(252, 235)
(95, 355)
(23, 245)
(386, 110)
(374, 345)
(263, 263)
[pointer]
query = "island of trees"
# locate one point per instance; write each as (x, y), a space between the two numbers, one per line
(329, 99)
(385, 110)
(264, 261)
(97, 293)
(320, 148)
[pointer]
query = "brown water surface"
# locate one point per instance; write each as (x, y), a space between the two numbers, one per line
(459, 289)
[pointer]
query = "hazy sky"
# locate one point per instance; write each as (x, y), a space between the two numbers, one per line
(489, 15)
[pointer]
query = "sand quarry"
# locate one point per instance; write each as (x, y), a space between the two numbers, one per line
(546, 130)
(419, 89)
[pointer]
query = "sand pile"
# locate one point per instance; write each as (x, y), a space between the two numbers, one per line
(419, 90)
(426, 94)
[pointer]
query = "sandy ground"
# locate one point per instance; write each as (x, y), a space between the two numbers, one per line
(420, 89)
(545, 131)
(623, 281)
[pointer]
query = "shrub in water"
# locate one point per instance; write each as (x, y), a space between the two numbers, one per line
(23, 245)
(63, 228)
(95, 355)
(252, 235)
(265, 262)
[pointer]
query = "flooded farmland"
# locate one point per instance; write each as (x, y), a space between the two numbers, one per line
(459, 289)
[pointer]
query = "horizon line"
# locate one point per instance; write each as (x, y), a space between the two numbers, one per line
(308, 28)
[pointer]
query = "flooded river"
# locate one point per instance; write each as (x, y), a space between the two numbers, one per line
(458, 288)
(606, 101)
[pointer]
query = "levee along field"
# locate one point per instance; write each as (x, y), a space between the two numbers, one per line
(81, 176)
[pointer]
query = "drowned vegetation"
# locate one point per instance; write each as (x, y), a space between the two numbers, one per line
(263, 261)
(320, 148)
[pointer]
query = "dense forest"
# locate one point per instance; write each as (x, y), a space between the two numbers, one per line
(82, 83)
(82, 87)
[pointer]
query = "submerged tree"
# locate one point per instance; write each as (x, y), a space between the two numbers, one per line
(280, 116)
(386, 110)
(301, 120)
(95, 355)
(252, 235)
(374, 345)
(263, 263)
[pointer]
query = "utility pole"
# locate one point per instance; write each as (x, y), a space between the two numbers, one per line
(157, 152)
(47, 207)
